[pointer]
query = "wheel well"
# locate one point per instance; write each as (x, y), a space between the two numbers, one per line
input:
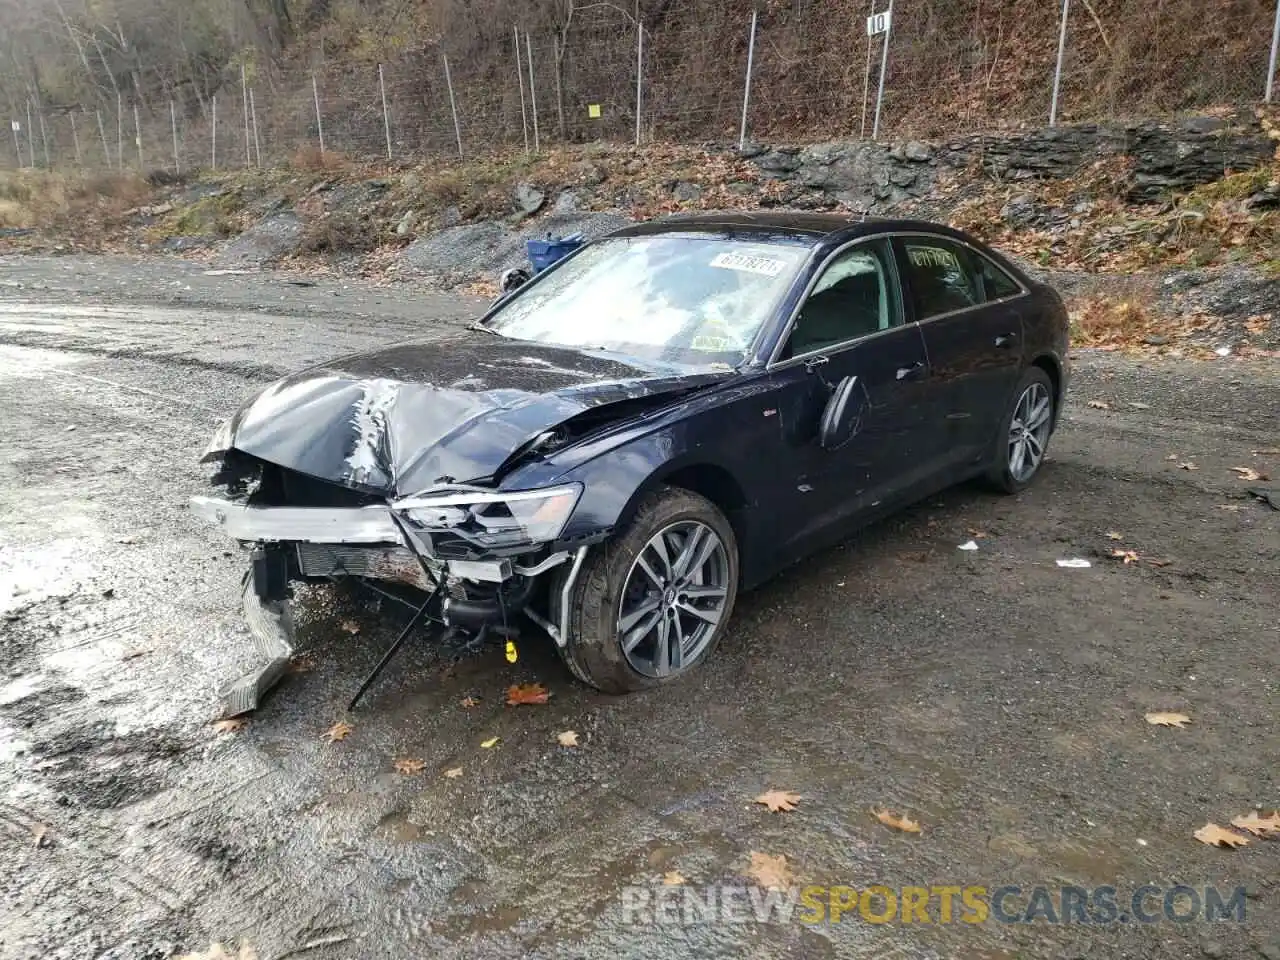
(716, 484)
(1050, 367)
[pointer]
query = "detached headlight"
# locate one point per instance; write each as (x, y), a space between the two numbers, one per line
(221, 441)
(494, 518)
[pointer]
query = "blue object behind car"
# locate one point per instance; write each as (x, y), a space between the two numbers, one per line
(543, 253)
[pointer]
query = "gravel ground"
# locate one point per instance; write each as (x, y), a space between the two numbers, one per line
(993, 695)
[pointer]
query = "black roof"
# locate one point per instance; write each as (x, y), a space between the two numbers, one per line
(786, 225)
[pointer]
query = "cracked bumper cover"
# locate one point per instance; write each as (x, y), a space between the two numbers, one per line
(270, 623)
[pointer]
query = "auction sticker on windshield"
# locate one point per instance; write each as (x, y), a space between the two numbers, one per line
(766, 266)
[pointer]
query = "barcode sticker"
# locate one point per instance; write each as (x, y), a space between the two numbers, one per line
(766, 266)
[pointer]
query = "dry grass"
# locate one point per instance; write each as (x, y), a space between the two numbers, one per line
(40, 198)
(312, 159)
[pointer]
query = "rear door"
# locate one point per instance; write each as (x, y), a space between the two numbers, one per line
(967, 309)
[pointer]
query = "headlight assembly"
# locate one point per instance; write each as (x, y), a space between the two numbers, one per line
(492, 518)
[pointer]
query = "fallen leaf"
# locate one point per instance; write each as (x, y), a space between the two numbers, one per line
(453, 773)
(1178, 720)
(490, 743)
(1172, 456)
(1157, 562)
(302, 662)
(1216, 836)
(134, 652)
(1187, 466)
(1128, 556)
(567, 739)
(1233, 507)
(1249, 474)
(770, 872)
(1268, 826)
(1099, 405)
(897, 822)
(233, 725)
(1113, 535)
(530, 693)
(779, 801)
(410, 767)
(672, 878)
(978, 534)
(469, 702)
(339, 731)
(41, 835)
(351, 627)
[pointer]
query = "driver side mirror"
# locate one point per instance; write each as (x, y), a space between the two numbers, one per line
(842, 416)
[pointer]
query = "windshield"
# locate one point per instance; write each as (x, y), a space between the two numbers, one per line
(680, 299)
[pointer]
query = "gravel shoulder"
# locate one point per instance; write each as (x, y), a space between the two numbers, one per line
(995, 696)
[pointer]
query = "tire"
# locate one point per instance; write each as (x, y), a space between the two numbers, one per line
(1003, 473)
(612, 575)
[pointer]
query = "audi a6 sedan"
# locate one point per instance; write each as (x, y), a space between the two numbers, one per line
(666, 417)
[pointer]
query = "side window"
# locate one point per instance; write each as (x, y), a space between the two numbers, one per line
(941, 276)
(856, 295)
(996, 284)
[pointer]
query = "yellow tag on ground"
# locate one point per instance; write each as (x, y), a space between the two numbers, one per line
(593, 111)
(512, 655)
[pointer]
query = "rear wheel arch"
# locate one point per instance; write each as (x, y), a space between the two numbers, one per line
(1051, 366)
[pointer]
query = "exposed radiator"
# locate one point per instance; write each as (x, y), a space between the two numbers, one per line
(377, 563)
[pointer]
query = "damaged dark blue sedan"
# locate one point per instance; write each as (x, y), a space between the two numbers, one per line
(670, 415)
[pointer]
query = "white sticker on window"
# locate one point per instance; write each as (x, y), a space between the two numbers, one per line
(766, 266)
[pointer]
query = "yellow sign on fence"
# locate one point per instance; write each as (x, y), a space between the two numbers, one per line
(593, 111)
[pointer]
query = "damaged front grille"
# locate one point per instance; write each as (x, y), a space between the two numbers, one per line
(324, 560)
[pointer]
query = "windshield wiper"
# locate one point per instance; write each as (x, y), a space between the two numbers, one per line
(483, 329)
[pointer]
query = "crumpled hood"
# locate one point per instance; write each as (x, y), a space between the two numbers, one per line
(398, 420)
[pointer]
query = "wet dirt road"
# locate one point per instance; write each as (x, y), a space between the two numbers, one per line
(995, 696)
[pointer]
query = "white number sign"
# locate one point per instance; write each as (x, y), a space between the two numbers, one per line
(15, 125)
(878, 23)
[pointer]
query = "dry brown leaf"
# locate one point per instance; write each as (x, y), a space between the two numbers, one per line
(490, 743)
(770, 872)
(1128, 556)
(1099, 405)
(1188, 465)
(1155, 562)
(40, 833)
(1268, 826)
(469, 702)
(779, 801)
(531, 693)
(897, 821)
(1216, 836)
(409, 766)
(233, 725)
(978, 534)
(1160, 719)
(302, 663)
(672, 878)
(339, 731)
(453, 773)
(1249, 474)
(1114, 535)
(351, 627)
(567, 739)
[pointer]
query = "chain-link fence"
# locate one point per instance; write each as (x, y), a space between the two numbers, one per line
(689, 71)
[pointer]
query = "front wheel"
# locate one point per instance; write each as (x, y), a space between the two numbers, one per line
(1024, 433)
(652, 603)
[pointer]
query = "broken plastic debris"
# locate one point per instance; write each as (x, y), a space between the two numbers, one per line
(970, 545)
(1075, 563)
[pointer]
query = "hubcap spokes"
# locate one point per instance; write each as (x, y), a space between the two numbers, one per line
(673, 598)
(1029, 431)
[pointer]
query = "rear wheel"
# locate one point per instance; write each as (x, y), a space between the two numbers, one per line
(1024, 433)
(652, 603)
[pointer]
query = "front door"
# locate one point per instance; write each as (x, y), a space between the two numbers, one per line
(851, 324)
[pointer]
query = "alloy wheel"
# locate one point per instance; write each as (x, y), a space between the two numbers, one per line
(1029, 431)
(673, 598)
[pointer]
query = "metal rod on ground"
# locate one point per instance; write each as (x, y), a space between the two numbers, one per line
(386, 117)
(1275, 48)
(75, 137)
(173, 127)
(119, 132)
(102, 132)
(533, 97)
(884, 63)
(639, 72)
(31, 139)
(44, 138)
(524, 117)
(244, 109)
(746, 87)
(213, 132)
(453, 104)
(253, 115)
(1062, 48)
(137, 135)
(866, 79)
(315, 94)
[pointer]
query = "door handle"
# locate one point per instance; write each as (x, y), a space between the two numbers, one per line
(1006, 340)
(913, 372)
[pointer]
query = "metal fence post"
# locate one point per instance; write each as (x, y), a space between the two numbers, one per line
(315, 94)
(213, 132)
(386, 117)
(453, 104)
(102, 132)
(137, 135)
(253, 116)
(866, 79)
(44, 137)
(119, 132)
(533, 97)
(524, 117)
(555, 64)
(1062, 47)
(746, 87)
(1275, 48)
(244, 109)
(31, 138)
(173, 127)
(884, 63)
(639, 73)
(75, 137)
